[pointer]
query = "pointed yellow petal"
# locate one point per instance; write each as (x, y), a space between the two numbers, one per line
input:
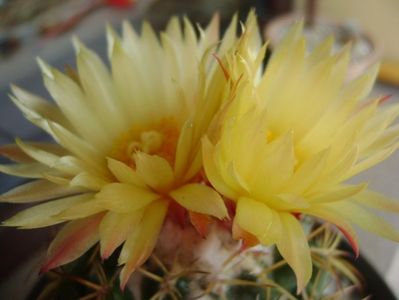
(125, 198)
(79, 147)
(326, 214)
(71, 165)
(14, 153)
(321, 51)
(337, 170)
(377, 125)
(378, 201)
(36, 191)
(88, 181)
(173, 29)
(259, 220)
(81, 210)
(371, 161)
(27, 170)
(127, 82)
(229, 37)
(210, 35)
(361, 86)
(287, 202)
(201, 199)
(46, 158)
(124, 173)
(365, 219)
(44, 214)
(277, 155)
(183, 149)
(31, 105)
(337, 193)
(71, 99)
(141, 242)
(195, 166)
(293, 247)
(306, 173)
(59, 179)
(212, 171)
(72, 241)
(115, 229)
(154, 170)
(388, 138)
(99, 90)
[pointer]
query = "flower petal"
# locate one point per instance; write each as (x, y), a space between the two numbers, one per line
(115, 228)
(325, 213)
(365, 219)
(287, 202)
(306, 173)
(293, 247)
(141, 242)
(378, 201)
(212, 171)
(340, 192)
(201, 199)
(14, 152)
(183, 149)
(71, 100)
(259, 220)
(84, 209)
(88, 181)
(124, 173)
(99, 89)
(27, 170)
(276, 155)
(44, 214)
(372, 160)
(248, 239)
(125, 198)
(32, 106)
(155, 171)
(200, 222)
(65, 164)
(36, 191)
(79, 147)
(72, 241)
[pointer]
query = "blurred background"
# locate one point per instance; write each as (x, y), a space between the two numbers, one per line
(43, 28)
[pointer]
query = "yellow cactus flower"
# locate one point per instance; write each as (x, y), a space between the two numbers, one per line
(128, 150)
(289, 141)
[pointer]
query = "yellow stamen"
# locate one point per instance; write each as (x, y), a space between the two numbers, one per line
(159, 139)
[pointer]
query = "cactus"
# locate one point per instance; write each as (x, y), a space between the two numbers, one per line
(186, 266)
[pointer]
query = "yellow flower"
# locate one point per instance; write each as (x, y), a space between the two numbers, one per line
(129, 148)
(290, 139)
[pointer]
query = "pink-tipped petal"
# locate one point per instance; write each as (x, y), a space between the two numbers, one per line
(139, 245)
(365, 219)
(115, 228)
(352, 241)
(324, 212)
(72, 241)
(200, 222)
(248, 240)
(14, 153)
(36, 191)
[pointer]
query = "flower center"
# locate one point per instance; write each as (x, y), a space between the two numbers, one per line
(159, 139)
(148, 142)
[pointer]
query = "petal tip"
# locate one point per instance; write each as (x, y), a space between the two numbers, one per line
(45, 68)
